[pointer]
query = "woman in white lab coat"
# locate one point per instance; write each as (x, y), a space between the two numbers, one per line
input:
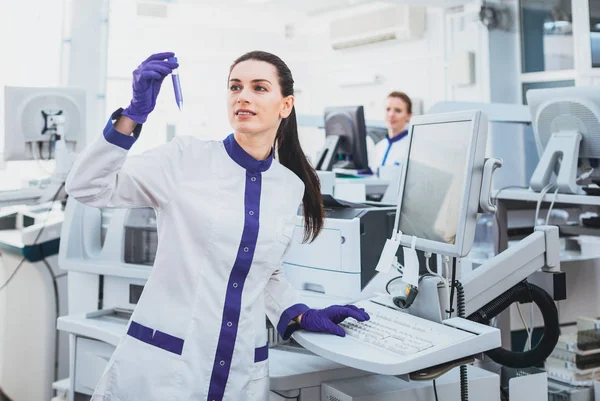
(394, 148)
(225, 212)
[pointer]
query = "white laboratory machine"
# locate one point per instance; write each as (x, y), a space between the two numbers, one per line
(40, 124)
(445, 184)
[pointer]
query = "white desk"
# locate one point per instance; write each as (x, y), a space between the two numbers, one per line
(293, 373)
(526, 195)
(525, 199)
(580, 267)
(23, 196)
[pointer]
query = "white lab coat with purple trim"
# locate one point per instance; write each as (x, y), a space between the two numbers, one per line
(391, 152)
(224, 221)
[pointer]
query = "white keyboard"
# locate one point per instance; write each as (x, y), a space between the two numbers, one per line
(391, 332)
(393, 342)
(398, 331)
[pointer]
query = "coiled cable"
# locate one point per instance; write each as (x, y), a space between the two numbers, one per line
(523, 292)
(460, 307)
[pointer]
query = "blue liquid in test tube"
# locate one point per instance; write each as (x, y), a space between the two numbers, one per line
(177, 85)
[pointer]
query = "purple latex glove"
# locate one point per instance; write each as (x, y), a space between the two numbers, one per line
(147, 79)
(326, 320)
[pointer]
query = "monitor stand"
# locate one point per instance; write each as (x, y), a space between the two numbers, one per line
(563, 147)
(327, 157)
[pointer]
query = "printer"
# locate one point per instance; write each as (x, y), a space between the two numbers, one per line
(340, 263)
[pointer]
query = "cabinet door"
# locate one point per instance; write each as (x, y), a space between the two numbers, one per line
(91, 357)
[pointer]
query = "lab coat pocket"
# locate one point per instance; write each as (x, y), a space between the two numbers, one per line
(258, 388)
(147, 372)
(283, 238)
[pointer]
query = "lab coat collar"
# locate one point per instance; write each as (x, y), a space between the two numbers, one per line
(239, 155)
(397, 137)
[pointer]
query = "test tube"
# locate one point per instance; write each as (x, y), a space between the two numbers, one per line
(177, 85)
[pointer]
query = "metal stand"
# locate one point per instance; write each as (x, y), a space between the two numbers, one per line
(563, 147)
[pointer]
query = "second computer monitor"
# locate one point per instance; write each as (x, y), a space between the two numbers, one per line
(29, 111)
(439, 200)
(345, 139)
(566, 123)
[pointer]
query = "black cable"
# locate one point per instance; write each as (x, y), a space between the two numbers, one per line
(523, 292)
(57, 314)
(460, 306)
(464, 383)
(452, 284)
(387, 286)
(435, 391)
(13, 274)
(40, 148)
(286, 397)
(421, 277)
(53, 277)
(460, 299)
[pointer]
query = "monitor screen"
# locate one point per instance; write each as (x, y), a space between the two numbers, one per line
(435, 179)
(345, 142)
(28, 112)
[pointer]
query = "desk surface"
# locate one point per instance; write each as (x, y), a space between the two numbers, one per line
(289, 369)
(20, 196)
(11, 239)
(528, 195)
(367, 180)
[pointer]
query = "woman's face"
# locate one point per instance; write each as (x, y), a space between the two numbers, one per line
(396, 114)
(255, 104)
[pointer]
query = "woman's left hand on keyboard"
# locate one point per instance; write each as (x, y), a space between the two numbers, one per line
(327, 320)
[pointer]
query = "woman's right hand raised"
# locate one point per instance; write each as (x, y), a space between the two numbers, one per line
(147, 79)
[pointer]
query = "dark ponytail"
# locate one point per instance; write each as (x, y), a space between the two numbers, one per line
(291, 155)
(289, 150)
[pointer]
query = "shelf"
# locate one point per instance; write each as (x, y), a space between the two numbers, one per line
(579, 230)
(530, 198)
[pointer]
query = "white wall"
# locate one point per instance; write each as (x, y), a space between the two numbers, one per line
(416, 68)
(206, 40)
(30, 44)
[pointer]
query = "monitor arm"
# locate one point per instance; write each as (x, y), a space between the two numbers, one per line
(540, 250)
(490, 289)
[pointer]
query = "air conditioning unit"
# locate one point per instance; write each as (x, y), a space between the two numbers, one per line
(395, 22)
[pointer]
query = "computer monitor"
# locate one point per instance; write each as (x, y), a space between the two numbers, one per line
(566, 124)
(34, 116)
(441, 182)
(345, 139)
